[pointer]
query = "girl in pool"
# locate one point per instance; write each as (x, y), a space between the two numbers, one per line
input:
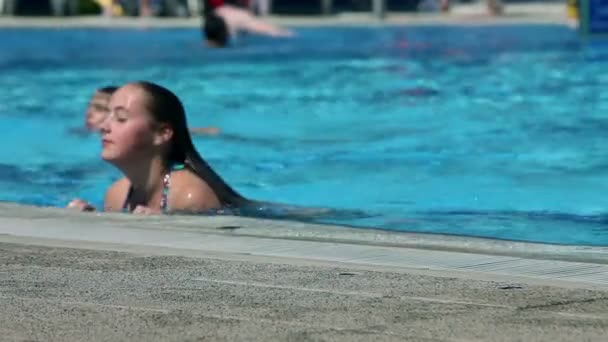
(146, 137)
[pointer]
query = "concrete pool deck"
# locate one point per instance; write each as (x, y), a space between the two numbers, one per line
(462, 14)
(67, 276)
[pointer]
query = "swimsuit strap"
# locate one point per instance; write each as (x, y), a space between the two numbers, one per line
(167, 183)
(165, 194)
(163, 198)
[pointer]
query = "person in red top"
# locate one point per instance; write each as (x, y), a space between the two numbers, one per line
(212, 4)
(223, 21)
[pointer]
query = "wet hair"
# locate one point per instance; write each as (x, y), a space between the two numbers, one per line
(167, 108)
(215, 29)
(107, 90)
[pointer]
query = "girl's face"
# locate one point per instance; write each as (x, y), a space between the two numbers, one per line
(128, 132)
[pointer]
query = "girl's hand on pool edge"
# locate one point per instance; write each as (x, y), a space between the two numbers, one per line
(80, 205)
(143, 210)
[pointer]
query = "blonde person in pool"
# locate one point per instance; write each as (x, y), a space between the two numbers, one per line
(97, 110)
(146, 137)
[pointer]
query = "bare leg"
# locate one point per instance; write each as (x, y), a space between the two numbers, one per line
(205, 131)
(145, 10)
(111, 8)
(495, 7)
(107, 11)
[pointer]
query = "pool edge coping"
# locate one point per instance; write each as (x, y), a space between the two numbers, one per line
(301, 244)
(299, 231)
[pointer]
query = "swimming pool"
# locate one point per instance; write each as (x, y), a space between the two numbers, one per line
(494, 132)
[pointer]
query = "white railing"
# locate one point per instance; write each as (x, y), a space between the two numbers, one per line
(379, 8)
(6, 7)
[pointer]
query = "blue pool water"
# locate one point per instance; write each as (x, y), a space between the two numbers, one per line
(495, 132)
